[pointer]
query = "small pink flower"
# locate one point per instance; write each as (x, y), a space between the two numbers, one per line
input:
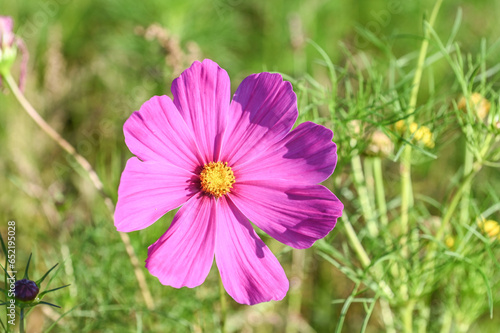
(9, 44)
(227, 163)
(6, 33)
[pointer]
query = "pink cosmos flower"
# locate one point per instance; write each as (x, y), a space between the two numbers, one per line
(226, 162)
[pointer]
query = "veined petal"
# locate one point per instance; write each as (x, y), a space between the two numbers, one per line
(148, 190)
(183, 256)
(201, 94)
(157, 132)
(296, 215)
(263, 110)
(306, 155)
(249, 271)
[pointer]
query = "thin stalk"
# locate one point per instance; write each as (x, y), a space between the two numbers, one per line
(432, 248)
(423, 318)
(355, 243)
(369, 180)
(295, 293)
(406, 195)
(406, 189)
(380, 191)
(6, 287)
(94, 178)
(456, 199)
(346, 306)
(364, 198)
(363, 256)
(407, 316)
(223, 307)
(406, 185)
(387, 316)
(447, 321)
(464, 204)
(21, 321)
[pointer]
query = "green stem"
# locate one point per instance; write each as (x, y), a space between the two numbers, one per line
(464, 204)
(21, 321)
(407, 316)
(363, 256)
(52, 133)
(364, 198)
(6, 287)
(380, 191)
(421, 62)
(94, 178)
(223, 307)
(295, 292)
(370, 181)
(355, 243)
(387, 316)
(406, 185)
(456, 199)
(406, 189)
(432, 248)
(346, 306)
(424, 317)
(447, 320)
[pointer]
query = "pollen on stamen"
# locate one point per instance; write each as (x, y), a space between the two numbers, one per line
(217, 179)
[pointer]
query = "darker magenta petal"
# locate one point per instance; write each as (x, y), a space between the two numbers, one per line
(296, 215)
(262, 112)
(306, 155)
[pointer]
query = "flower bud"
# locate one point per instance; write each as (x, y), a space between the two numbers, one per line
(489, 227)
(400, 126)
(26, 290)
(6, 34)
(379, 145)
(449, 241)
(479, 105)
(420, 134)
(7, 47)
(424, 135)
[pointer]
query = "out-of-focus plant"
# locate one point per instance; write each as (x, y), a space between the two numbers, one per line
(7, 57)
(416, 252)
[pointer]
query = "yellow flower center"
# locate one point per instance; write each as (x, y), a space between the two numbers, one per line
(217, 179)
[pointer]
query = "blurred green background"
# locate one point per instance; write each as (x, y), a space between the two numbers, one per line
(92, 63)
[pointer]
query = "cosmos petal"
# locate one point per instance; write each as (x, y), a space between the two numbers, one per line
(306, 155)
(148, 190)
(183, 256)
(296, 215)
(157, 132)
(249, 271)
(201, 94)
(263, 110)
